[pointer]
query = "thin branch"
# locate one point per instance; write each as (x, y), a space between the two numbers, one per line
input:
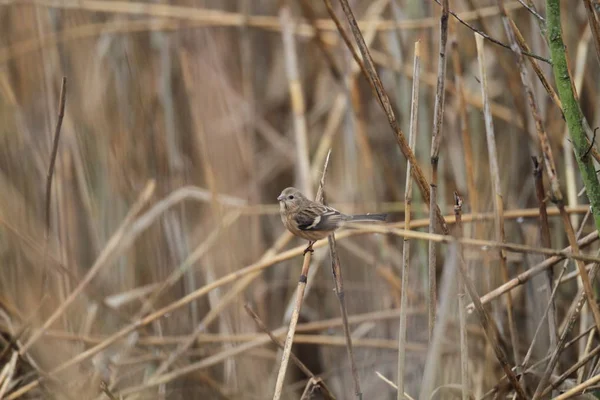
(56, 140)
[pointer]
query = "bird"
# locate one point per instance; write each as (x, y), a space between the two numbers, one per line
(312, 221)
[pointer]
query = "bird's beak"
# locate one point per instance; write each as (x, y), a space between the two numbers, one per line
(280, 197)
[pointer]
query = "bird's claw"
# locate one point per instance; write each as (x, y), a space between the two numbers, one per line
(309, 248)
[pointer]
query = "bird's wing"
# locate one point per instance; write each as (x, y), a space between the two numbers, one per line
(319, 218)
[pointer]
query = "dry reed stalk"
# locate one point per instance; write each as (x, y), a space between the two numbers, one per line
(472, 192)
(462, 315)
(436, 139)
(471, 98)
(429, 386)
(299, 298)
(414, 112)
(497, 192)
(545, 240)
(339, 290)
(296, 98)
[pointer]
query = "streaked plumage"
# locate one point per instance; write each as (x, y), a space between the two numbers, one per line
(313, 221)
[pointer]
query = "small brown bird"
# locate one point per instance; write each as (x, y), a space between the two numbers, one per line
(312, 221)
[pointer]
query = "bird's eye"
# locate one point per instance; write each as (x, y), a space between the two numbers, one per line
(291, 197)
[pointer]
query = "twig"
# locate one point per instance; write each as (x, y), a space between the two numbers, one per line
(491, 39)
(414, 107)
(438, 120)
(472, 197)
(572, 319)
(55, 142)
(298, 304)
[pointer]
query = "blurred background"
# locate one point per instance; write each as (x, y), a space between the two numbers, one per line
(183, 122)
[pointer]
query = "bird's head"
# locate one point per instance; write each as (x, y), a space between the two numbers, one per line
(290, 199)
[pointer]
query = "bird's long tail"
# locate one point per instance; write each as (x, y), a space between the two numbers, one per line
(368, 217)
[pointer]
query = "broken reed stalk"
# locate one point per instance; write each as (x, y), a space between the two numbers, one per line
(497, 191)
(289, 340)
(414, 108)
(436, 138)
(462, 312)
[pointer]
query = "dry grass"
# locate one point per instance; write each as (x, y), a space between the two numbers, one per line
(183, 122)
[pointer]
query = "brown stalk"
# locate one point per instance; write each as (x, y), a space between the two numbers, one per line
(438, 119)
(545, 240)
(498, 200)
(298, 303)
(462, 313)
(414, 108)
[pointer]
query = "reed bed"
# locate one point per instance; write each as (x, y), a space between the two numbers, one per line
(143, 146)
